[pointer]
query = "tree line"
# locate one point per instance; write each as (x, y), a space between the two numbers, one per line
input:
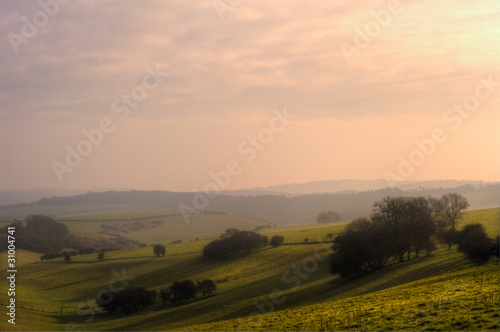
(133, 299)
(234, 242)
(400, 227)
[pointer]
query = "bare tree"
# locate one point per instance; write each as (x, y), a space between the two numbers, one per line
(391, 212)
(410, 222)
(449, 208)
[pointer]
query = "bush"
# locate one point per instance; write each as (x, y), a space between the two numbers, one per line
(277, 240)
(474, 243)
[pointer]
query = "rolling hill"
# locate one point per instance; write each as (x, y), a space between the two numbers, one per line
(283, 210)
(443, 291)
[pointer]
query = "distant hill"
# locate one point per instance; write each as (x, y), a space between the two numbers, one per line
(8, 197)
(351, 186)
(280, 209)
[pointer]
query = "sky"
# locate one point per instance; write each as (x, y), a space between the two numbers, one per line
(228, 94)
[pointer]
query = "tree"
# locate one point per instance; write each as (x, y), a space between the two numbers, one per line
(449, 209)
(129, 300)
(100, 256)
(277, 240)
(159, 250)
(495, 246)
(410, 223)
(421, 226)
(183, 290)
(474, 243)
(234, 242)
(328, 216)
(206, 287)
(360, 249)
(390, 211)
(164, 295)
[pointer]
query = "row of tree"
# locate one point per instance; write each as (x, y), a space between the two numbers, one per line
(134, 299)
(397, 228)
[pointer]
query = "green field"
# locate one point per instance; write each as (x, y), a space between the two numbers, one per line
(173, 226)
(444, 291)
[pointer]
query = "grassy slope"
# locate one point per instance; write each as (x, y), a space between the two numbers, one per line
(251, 279)
(174, 226)
(464, 300)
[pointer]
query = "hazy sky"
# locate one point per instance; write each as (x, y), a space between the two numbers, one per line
(258, 92)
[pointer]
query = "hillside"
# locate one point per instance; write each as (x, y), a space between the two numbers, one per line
(158, 227)
(349, 185)
(425, 288)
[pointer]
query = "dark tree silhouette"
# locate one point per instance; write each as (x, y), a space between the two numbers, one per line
(360, 249)
(159, 250)
(128, 301)
(264, 241)
(495, 246)
(183, 290)
(474, 243)
(100, 256)
(410, 223)
(164, 295)
(234, 242)
(206, 287)
(277, 240)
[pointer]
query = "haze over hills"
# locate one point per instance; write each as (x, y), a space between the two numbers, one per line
(8, 197)
(280, 209)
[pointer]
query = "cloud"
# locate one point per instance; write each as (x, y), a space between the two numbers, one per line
(232, 73)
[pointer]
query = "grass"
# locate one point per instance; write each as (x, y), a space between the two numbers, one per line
(443, 291)
(297, 234)
(463, 300)
(173, 226)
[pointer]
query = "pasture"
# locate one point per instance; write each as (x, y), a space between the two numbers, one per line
(443, 291)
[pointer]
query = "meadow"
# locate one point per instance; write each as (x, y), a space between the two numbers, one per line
(442, 292)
